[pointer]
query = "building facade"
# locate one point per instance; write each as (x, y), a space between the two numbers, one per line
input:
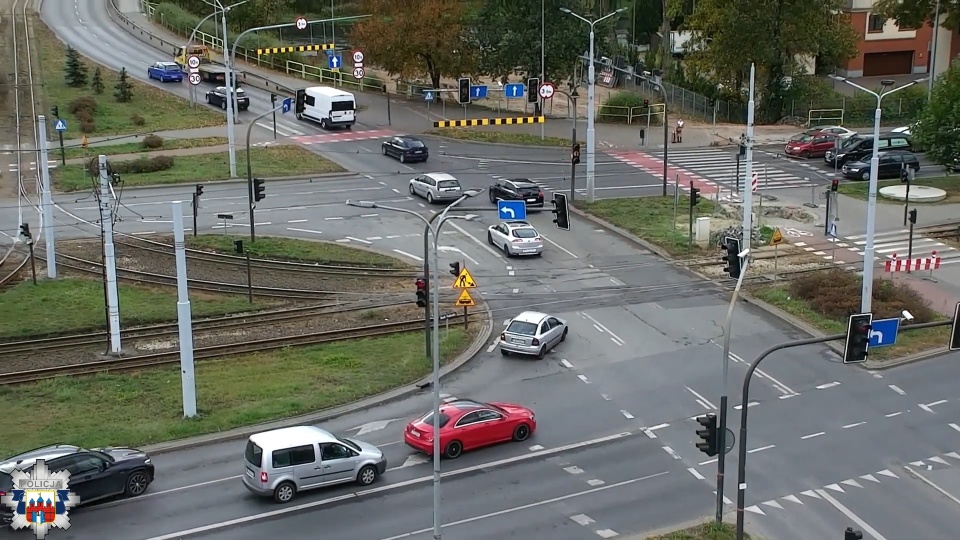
(885, 48)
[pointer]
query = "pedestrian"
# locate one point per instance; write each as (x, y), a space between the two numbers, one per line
(678, 132)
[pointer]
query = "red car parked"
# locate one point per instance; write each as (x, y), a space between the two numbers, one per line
(811, 145)
(467, 425)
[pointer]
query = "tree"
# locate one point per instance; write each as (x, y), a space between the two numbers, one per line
(75, 72)
(913, 13)
(938, 128)
(413, 38)
(728, 37)
(124, 89)
(97, 82)
(259, 13)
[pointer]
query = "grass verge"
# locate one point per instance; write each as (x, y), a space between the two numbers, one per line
(266, 162)
(860, 190)
(652, 218)
(76, 305)
(146, 407)
(137, 147)
(499, 137)
(705, 531)
(826, 301)
(289, 249)
(150, 110)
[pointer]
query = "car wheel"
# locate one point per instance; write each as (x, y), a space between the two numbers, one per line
(542, 353)
(430, 198)
(403, 158)
(504, 353)
(299, 116)
(489, 238)
(137, 483)
(208, 98)
(865, 176)
(367, 475)
(284, 492)
(493, 199)
(506, 250)
(521, 433)
(384, 150)
(805, 154)
(349, 127)
(563, 336)
(453, 450)
(223, 104)
(323, 124)
(412, 191)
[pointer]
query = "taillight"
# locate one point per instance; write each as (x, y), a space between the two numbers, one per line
(537, 239)
(263, 477)
(540, 194)
(518, 241)
(535, 341)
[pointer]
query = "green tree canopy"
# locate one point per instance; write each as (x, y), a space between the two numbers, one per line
(938, 128)
(914, 13)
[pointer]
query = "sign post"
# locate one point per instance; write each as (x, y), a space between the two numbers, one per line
(61, 126)
(776, 240)
(833, 242)
(464, 281)
(358, 72)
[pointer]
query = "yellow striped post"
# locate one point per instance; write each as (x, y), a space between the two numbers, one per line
(295, 48)
(474, 122)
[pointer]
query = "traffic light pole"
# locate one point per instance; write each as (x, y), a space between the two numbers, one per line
(745, 398)
(251, 200)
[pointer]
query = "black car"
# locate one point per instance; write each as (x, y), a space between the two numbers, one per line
(890, 165)
(517, 189)
(860, 147)
(95, 474)
(405, 148)
(218, 96)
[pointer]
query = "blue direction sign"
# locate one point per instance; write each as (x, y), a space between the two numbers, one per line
(478, 92)
(61, 125)
(428, 96)
(287, 105)
(334, 61)
(510, 210)
(883, 333)
(513, 91)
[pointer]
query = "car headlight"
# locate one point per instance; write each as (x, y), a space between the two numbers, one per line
(146, 461)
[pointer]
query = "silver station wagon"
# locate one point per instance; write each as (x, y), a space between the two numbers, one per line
(532, 333)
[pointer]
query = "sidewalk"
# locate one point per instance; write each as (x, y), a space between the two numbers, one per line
(196, 133)
(222, 148)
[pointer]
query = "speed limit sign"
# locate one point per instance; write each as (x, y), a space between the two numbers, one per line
(301, 23)
(194, 79)
(357, 57)
(193, 62)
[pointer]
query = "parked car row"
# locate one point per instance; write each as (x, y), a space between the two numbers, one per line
(850, 152)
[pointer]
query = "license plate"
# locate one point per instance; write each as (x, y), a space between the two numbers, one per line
(249, 473)
(415, 434)
(531, 200)
(529, 251)
(517, 341)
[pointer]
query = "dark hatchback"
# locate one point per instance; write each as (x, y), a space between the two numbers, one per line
(860, 147)
(517, 189)
(405, 148)
(95, 474)
(890, 165)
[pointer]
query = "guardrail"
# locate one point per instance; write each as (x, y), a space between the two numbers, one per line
(825, 116)
(629, 115)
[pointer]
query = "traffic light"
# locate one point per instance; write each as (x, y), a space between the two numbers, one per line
(743, 150)
(732, 257)
(258, 190)
(694, 197)
(56, 111)
(858, 338)
(646, 103)
(238, 246)
(561, 212)
(851, 534)
(455, 269)
(273, 98)
(25, 230)
(300, 102)
(575, 154)
(709, 439)
(199, 190)
(913, 216)
(463, 96)
(533, 90)
(904, 176)
(834, 185)
(955, 330)
(421, 292)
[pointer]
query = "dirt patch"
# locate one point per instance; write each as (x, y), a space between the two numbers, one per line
(13, 38)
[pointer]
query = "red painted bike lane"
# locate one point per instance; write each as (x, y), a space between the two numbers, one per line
(654, 166)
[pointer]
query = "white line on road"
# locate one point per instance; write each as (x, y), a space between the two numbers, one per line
(705, 401)
(626, 415)
(566, 363)
(897, 389)
(709, 461)
(828, 385)
(672, 452)
(358, 240)
(565, 250)
(762, 448)
(935, 403)
(855, 518)
(930, 483)
(493, 346)
(848, 426)
(812, 435)
(891, 415)
(583, 378)
(476, 240)
(303, 230)
(954, 426)
(782, 388)
(582, 519)
(298, 220)
(603, 328)
(751, 404)
(696, 474)
(410, 255)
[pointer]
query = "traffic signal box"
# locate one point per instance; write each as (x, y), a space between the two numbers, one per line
(858, 338)
(561, 212)
(694, 196)
(455, 269)
(463, 90)
(533, 90)
(421, 292)
(708, 435)
(731, 256)
(955, 330)
(575, 154)
(851, 534)
(259, 190)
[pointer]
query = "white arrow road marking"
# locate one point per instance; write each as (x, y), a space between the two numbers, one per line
(416, 459)
(376, 425)
(885, 472)
(773, 504)
(870, 477)
(792, 498)
(755, 509)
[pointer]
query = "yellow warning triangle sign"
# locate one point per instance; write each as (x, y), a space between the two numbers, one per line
(464, 281)
(465, 300)
(777, 237)
(83, 141)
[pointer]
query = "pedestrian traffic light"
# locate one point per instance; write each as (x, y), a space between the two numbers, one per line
(199, 190)
(731, 256)
(56, 111)
(421, 292)
(463, 96)
(904, 176)
(646, 103)
(913, 216)
(561, 211)
(25, 230)
(858, 338)
(258, 190)
(708, 433)
(238, 246)
(455, 269)
(955, 330)
(533, 90)
(694, 196)
(834, 185)
(851, 534)
(742, 150)
(575, 154)
(273, 98)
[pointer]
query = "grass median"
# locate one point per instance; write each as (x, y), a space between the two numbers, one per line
(705, 531)
(268, 162)
(499, 137)
(860, 190)
(74, 305)
(146, 407)
(290, 249)
(138, 147)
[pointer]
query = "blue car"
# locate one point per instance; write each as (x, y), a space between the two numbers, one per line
(165, 71)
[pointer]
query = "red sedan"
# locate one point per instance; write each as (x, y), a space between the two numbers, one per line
(467, 425)
(807, 145)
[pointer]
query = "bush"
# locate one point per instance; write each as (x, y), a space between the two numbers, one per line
(84, 116)
(144, 165)
(152, 142)
(83, 104)
(836, 296)
(87, 127)
(620, 105)
(138, 120)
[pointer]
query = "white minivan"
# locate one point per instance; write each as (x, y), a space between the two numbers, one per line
(329, 106)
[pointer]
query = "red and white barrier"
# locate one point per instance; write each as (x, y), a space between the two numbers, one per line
(912, 265)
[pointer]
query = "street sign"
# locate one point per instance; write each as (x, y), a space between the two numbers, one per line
(513, 91)
(546, 90)
(287, 105)
(883, 333)
(301, 23)
(833, 230)
(777, 237)
(511, 209)
(194, 79)
(334, 61)
(60, 125)
(464, 300)
(194, 70)
(358, 72)
(357, 57)
(193, 62)
(428, 96)
(464, 280)
(478, 92)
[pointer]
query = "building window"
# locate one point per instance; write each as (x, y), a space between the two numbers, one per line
(904, 27)
(875, 23)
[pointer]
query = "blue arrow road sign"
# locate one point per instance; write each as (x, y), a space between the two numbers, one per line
(334, 61)
(511, 210)
(883, 333)
(61, 125)
(428, 96)
(287, 105)
(478, 92)
(513, 90)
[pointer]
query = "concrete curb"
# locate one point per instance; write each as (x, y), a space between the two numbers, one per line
(328, 414)
(322, 176)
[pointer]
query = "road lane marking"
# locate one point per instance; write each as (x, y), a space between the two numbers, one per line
(751, 404)
(626, 414)
(932, 484)
(847, 512)
(536, 448)
(855, 424)
(476, 240)
(607, 533)
(954, 426)
(812, 435)
(891, 415)
(828, 385)
(558, 246)
(583, 378)
(303, 230)
(782, 388)
(573, 469)
(672, 452)
(603, 328)
(492, 346)
(896, 389)
(582, 519)
(762, 448)
(708, 462)
(410, 255)
(566, 363)
(595, 482)
(696, 474)
(702, 400)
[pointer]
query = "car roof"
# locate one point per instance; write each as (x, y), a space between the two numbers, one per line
(27, 459)
(522, 181)
(167, 64)
(461, 406)
(530, 317)
(518, 224)
(902, 152)
(409, 138)
(438, 176)
(291, 436)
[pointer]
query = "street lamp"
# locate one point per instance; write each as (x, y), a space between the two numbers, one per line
(866, 292)
(658, 83)
(218, 8)
(591, 98)
(435, 337)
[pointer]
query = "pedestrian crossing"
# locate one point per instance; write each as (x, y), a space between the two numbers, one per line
(886, 246)
(344, 136)
(720, 166)
(32, 166)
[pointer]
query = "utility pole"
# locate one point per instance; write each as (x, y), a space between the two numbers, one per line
(109, 259)
(184, 317)
(46, 198)
(747, 191)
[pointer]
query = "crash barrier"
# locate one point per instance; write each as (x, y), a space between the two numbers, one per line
(912, 265)
(824, 116)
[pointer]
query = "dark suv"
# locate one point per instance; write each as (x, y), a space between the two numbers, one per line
(860, 147)
(517, 189)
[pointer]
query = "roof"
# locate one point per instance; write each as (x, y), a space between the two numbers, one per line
(291, 436)
(530, 316)
(462, 405)
(522, 181)
(168, 64)
(328, 91)
(438, 176)
(408, 137)
(518, 224)
(27, 459)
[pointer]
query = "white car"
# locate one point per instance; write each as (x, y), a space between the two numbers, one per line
(839, 131)
(515, 238)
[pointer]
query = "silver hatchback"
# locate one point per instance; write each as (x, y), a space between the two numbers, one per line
(532, 333)
(436, 187)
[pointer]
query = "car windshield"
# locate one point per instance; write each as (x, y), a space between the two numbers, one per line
(254, 454)
(349, 443)
(413, 144)
(448, 184)
(6, 482)
(171, 68)
(525, 233)
(528, 190)
(852, 141)
(428, 419)
(803, 137)
(342, 106)
(523, 328)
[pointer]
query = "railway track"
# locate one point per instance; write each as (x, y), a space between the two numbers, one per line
(115, 365)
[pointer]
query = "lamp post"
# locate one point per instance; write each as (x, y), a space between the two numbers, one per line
(435, 337)
(933, 51)
(866, 292)
(658, 83)
(591, 99)
(218, 8)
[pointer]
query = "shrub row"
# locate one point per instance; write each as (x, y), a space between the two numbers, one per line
(152, 142)
(136, 166)
(836, 295)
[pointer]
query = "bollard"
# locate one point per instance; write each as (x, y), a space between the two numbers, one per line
(813, 195)
(934, 256)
